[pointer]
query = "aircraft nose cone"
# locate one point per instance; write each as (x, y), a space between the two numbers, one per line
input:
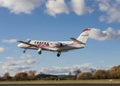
(19, 45)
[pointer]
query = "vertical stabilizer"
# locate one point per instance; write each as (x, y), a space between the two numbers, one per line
(84, 36)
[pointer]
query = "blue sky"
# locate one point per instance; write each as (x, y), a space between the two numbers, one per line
(59, 20)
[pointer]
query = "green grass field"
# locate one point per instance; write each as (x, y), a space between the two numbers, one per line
(63, 82)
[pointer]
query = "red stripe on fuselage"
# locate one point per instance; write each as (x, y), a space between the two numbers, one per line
(41, 45)
(44, 46)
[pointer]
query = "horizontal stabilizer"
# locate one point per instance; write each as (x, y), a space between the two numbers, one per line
(75, 40)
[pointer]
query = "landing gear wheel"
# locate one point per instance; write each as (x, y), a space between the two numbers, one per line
(58, 54)
(24, 51)
(40, 52)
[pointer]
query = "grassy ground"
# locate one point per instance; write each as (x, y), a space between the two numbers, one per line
(63, 82)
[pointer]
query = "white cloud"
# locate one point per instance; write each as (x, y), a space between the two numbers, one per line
(20, 6)
(108, 34)
(10, 41)
(21, 62)
(111, 8)
(26, 56)
(79, 7)
(54, 7)
(2, 49)
(66, 70)
(13, 66)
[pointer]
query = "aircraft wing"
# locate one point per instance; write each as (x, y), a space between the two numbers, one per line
(28, 44)
(75, 40)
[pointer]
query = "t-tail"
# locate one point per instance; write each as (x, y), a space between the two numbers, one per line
(83, 37)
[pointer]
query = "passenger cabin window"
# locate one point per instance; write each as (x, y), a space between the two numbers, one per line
(47, 44)
(38, 42)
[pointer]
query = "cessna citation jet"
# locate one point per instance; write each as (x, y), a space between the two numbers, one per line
(58, 46)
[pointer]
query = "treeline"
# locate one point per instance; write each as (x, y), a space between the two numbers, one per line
(112, 73)
(24, 76)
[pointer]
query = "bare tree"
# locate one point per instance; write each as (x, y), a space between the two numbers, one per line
(100, 74)
(21, 76)
(77, 71)
(84, 75)
(7, 76)
(31, 74)
(115, 72)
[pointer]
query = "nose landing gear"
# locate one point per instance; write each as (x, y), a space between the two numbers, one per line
(58, 54)
(24, 51)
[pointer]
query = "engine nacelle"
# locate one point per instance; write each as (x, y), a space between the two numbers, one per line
(59, 45)
(56, 44)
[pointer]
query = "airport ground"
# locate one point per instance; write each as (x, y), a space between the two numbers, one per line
(65, 85)
(107, 82)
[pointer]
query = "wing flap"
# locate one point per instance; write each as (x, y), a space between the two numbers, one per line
(28, 43)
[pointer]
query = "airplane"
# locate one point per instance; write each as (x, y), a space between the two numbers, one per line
(56, 46)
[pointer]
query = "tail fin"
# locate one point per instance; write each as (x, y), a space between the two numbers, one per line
(84, 36)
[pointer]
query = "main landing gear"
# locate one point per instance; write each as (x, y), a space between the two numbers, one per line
(58, 54)
(39, 51)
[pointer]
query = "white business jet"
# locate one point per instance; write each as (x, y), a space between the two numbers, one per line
(56, 46)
